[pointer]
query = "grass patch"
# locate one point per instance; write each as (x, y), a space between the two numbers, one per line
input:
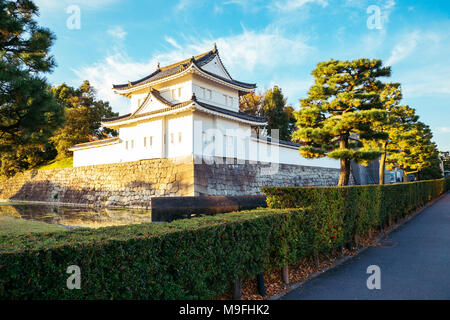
(57, 164)
(16, 226)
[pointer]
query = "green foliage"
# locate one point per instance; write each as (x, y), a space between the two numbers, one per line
(57, 164)
(15, 226)
(185, 259)
(271, 104)
(445, 157)
(199, 258)
(83, 117)
(22, 42)
(251, 104)
(356, 209)
(28, 112)
(415, 150)
(341, 111)
(399, 120)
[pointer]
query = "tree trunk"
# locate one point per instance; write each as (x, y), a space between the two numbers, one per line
(405, 176)
(344, 175)
(382, 164)
(285, 274)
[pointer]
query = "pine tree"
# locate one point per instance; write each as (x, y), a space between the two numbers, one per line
(434, 171)
(399, 118)
(414, 149)
(340, 111)
(28, 112)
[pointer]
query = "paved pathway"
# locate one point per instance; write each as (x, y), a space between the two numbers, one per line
(414, 265)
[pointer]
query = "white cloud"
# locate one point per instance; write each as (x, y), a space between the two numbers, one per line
(267, 49)
(426, 64)
(172, 42)
(50, 5)
(242, 54)
(218, 9)
(404, 48)
(291, 5)
(429, 80)
(444, 129)
(294, 89)
(274, 5)
(186, 4)
(389, 4)
(117, 32)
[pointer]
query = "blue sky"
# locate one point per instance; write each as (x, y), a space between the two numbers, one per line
(267, 42)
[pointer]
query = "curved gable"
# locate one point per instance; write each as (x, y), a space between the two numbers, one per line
(216, 67)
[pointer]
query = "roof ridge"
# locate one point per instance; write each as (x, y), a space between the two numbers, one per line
(198, 61)
(185, 60)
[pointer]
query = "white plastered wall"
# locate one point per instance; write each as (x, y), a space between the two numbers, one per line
(212, 93)
(243, 146)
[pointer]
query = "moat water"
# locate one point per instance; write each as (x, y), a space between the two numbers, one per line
(76, 217)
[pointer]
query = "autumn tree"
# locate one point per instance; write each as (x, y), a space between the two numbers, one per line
(250, 103)
(83, 113)
(28, 112)
(340, 111)
(272, 105)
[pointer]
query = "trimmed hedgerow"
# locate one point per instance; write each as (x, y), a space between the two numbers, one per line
(185, 259)
(356, 210)
(199, 258)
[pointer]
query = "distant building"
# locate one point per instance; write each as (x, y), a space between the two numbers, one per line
(189, 108)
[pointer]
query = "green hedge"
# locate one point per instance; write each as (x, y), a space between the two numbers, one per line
(357, 209)
(199, 258)
(185, 259)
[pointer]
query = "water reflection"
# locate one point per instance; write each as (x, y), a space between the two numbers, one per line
(77, 216)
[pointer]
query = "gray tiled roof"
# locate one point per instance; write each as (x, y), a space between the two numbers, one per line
(287, 143)
(96, 143)
(178, 67)
(239, 115)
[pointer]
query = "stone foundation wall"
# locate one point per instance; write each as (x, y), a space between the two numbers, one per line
(122, 184)
(135, 183)
(248, 178)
